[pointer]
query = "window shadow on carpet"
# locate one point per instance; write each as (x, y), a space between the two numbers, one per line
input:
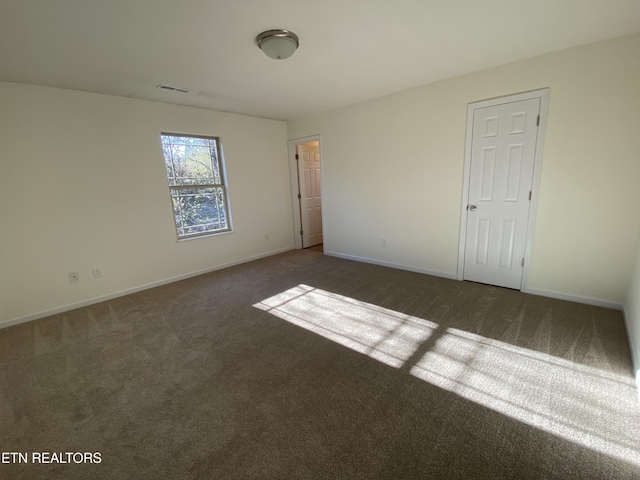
(591, 407)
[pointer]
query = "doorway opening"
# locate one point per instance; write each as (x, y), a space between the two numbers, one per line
(306, 188)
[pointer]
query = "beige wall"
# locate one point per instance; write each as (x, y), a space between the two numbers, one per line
(632, 314)
(82, 184)
(393, 167)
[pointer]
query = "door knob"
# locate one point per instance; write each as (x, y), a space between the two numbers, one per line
(473, 207)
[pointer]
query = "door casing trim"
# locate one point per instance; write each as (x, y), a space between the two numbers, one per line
(293, 171)
(543, 95)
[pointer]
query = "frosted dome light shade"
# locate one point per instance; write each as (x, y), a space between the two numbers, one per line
(278, 44)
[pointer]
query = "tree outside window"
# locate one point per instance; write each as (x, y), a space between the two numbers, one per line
(197, 184)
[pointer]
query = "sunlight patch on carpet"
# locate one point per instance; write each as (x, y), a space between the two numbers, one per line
(593, 408)
(588, 406)
(388, 336)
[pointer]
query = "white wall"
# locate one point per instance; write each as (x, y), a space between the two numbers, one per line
(393, 168)
(82, 184)
(632, 314)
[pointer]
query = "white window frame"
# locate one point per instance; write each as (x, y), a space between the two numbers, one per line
(175, 188)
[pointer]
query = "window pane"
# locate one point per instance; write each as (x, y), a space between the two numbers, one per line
(191, 160)
(196, 182)
(199, 210)
(194, 167)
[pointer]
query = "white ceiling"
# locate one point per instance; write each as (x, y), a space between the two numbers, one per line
(350, 50)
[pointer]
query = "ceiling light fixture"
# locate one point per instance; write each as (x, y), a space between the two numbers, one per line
(278, 44)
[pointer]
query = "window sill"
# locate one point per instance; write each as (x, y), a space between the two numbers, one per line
(205, 235)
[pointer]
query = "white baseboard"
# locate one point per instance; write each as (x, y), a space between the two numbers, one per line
(453, 276)
(435, 273)
(575, 298)
(128, 291)
(534, 291)
(635, 360)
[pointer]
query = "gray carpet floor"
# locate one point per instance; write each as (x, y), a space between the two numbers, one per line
(306, 366)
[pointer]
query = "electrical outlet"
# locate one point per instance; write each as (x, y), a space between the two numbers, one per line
(383, 241)
(97, 272)
(73, 277)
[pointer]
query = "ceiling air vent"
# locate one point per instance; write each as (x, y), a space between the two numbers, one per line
(173, 89)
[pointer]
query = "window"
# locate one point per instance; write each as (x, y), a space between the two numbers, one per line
(195, 171)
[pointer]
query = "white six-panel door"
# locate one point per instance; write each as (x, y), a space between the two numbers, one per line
(503, 150)
(310, 194)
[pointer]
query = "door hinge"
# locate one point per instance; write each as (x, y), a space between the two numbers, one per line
(530, 192)
(301, 232)
(297, 157)
(299, 196)
(522, 263)
(538, 121)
